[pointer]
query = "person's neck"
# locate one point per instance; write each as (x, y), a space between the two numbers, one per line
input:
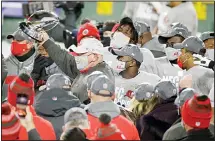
(25, 56)
(130, 73)
(100, 100)
(190, 66)
(147, 38)
(177, 3)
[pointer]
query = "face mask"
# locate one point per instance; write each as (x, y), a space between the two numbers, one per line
(172, 54)
(106, 41)
(120, 66)
(210, 54)
(119, 40)
(18, 49)
(81, 62)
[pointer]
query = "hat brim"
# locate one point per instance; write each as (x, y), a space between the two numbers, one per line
(177, 102)
(11, 36)
(204, 39)
(118, 52)
(164, 37)
(178, 46)
(78, 49)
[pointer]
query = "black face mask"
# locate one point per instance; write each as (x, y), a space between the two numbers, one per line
(106, 41)
(173, 61)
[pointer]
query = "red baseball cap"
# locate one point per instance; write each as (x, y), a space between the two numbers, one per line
(87, 30)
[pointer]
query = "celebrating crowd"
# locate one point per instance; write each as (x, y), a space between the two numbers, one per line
(128, 84)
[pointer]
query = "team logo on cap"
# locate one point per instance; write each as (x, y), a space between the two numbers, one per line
(54, 98)
(198, 124)
(85, 32)
(148, 94)
(105, 86)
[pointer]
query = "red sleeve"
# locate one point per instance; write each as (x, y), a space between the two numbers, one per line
(45, 129)
(135, 134)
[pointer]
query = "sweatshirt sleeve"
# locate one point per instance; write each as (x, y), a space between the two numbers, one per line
(33, 135)
(135, 134)
(64, 60)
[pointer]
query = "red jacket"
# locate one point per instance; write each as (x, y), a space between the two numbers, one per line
(124, 125)
(43, 127)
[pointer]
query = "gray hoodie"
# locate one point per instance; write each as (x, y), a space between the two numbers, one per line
(15, 68)
(177, 131)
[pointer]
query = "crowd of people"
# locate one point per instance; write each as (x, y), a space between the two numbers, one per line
(130, 84)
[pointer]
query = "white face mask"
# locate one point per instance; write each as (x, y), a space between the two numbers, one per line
(172, 54)
(210, 54)
(81, 62)
(120, 66)
(119, 40)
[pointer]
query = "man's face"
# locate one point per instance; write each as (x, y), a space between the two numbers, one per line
(29, 46)
(209, 44)
(126, 30)
(127, 59)
(174, 40)
(186, 58)
(91, 57)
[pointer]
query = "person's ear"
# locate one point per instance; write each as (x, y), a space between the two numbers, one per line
(29, 45)
(89, 93)
(133, 63)
(113, 97)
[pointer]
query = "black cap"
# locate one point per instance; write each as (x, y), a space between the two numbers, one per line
(128, 21)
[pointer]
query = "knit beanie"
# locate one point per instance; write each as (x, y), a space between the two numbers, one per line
(10, 123)
(196, 112)
(108, 131)
(22, 84)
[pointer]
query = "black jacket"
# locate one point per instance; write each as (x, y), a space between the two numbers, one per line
(153, 125)
(52, 105)
(203, 135)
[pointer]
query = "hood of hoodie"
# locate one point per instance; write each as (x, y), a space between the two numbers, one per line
(107, 107)
(55, 102)
(166, 111)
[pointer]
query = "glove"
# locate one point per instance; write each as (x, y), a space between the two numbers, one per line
(40, 63)
(200, 60)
